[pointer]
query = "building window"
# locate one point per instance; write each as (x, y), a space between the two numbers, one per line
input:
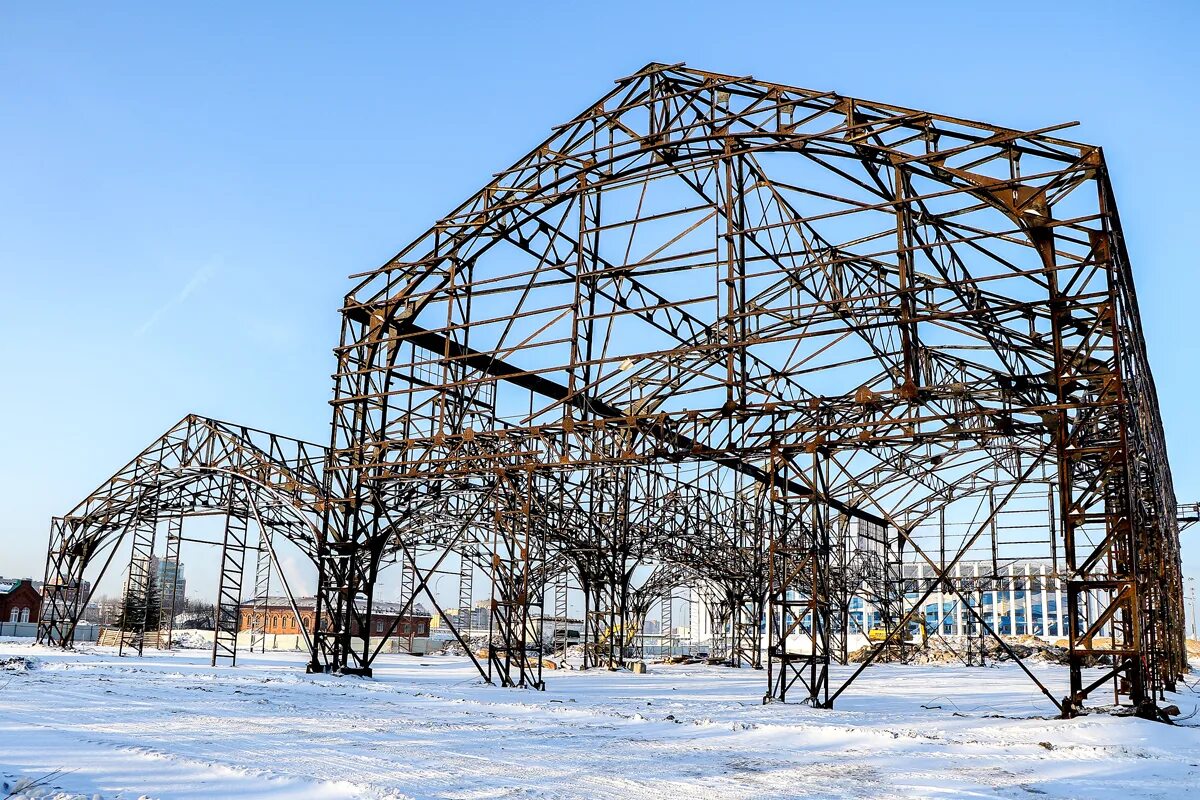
(14, 615)
(24, 615)
(379, 626)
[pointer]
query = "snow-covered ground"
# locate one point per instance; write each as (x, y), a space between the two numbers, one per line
(169, 726)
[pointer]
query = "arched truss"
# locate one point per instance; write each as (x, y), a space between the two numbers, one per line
(732, 325)
(199, 467)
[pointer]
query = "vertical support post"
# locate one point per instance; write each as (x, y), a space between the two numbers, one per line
(136, 606)
(1095, 485)
(511, 657)
(560, 614)
(229, 588)
(66, 558)
(170, 596)
(466, 579)
(262, 592)
(666, 640)
(799, 595)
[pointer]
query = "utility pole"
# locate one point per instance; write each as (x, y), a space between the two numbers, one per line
(1192, 581)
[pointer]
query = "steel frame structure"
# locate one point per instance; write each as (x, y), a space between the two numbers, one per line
(830, 308)
(720, 332)
(200, 467)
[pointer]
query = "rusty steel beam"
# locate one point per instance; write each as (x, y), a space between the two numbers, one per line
(490, 364)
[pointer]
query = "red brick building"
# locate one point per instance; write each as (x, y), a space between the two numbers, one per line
(280, 619)
(19, 601)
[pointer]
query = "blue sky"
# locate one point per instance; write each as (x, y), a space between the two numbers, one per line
(185, 191)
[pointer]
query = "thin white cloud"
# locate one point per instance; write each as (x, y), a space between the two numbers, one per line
(198, 279)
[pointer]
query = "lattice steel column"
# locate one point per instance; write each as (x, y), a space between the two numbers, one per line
(169, 597)
(408, 583)
(799, 598)
(667, 639)
(62, 593)
(511, 658)
(560, 614)
(262, 592)
(134, 616)
(466, 579)
(1095, 487)
(747, 633)
(229, 590)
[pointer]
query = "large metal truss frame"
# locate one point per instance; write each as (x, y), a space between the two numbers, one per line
(762, 341)
(793, 309)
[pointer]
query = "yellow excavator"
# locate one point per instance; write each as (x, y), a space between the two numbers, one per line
(879, 634)
(623, 635)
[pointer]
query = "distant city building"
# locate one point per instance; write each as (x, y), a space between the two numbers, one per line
(279, 618)
(1021, 597)
(102, 610)
(476, 622)
(168, 575)
(20, 601)
(471, 621)
(146, 568)
(1014, 597)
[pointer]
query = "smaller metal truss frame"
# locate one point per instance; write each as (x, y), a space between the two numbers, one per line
(199, 467)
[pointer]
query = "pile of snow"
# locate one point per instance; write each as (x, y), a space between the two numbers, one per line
(191, 640)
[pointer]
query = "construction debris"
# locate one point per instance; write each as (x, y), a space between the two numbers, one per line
(972, 651)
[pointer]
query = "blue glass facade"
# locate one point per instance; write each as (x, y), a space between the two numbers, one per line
(1014, 598)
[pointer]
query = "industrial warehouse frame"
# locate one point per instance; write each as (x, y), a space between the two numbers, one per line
(770, 343)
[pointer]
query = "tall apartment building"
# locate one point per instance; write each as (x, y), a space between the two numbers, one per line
(166, 574)
(169, 574)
